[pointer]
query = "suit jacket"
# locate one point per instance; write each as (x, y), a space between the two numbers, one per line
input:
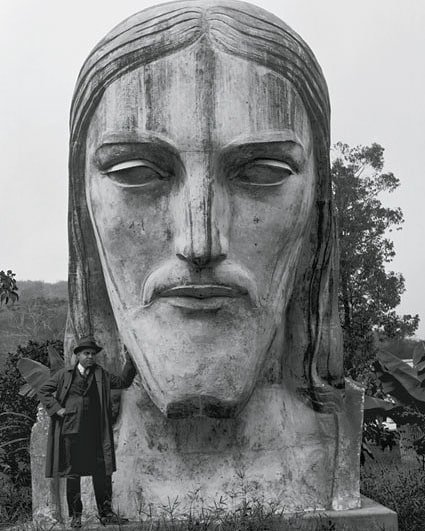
(53, 395)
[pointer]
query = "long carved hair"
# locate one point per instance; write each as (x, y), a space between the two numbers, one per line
(313, 342)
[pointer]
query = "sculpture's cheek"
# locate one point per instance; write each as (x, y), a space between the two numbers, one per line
(129, 233)
(268, 229)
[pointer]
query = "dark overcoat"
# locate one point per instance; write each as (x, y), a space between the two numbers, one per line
(53, 395)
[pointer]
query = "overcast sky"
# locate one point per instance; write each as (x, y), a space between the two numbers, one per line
(372, 54)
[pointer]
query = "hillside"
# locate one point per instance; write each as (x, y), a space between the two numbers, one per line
(40, 314)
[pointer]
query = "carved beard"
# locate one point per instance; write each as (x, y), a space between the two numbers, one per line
(204, 365)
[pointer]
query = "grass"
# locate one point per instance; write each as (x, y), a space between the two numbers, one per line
(241, 525)
(15, 502)
(399, 486)
(252, 515)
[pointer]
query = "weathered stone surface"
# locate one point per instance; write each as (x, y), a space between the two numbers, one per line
(47, 494)
(279, 450)
(202, 239)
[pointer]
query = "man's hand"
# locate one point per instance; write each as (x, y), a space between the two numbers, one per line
(128, 359)
(126, 354)
(61, 412)
(128, 372)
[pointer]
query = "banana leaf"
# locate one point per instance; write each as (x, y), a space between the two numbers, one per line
(419, 361)
(34, 373)
(55, 360)
(399, 380)
(376, 407)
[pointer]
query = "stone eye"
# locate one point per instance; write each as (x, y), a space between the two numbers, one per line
(264, 172)
(135, 173)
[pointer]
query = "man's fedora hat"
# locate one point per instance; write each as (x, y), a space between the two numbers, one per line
(87, 342)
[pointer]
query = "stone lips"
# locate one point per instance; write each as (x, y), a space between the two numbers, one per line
(174, 278)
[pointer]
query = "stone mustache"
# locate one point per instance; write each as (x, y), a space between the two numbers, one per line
(202, 239)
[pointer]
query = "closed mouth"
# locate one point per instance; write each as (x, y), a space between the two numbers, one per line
(175, 284)
(203, 291)
(200, 297)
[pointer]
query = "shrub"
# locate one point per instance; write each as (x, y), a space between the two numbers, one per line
(400, 488)
(17, 416)
(15, 501)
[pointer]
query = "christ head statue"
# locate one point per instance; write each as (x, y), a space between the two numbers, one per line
(201, 229)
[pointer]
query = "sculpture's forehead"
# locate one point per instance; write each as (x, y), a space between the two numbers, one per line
(201, 98)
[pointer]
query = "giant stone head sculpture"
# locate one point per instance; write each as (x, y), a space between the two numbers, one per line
(201, 233)
(202, 240)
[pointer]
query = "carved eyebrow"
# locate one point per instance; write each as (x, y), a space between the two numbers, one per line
(127, 137)
(282, 135)
(119, 147)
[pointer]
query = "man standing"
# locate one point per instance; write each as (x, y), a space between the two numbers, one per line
(80, 441)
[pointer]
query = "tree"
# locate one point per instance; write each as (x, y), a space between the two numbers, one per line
(39, 319)
(8, 287)
(369, 293)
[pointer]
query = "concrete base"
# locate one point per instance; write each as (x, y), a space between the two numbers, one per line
(371, 517)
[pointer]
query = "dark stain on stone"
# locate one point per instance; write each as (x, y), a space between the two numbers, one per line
(202, 406)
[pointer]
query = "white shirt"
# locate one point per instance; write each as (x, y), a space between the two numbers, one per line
(81, 369)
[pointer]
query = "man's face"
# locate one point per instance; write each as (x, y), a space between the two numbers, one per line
(200, 182)
(87, 357)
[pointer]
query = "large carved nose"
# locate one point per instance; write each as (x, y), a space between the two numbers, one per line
(202, 214)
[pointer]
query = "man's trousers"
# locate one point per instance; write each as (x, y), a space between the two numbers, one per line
(102, 485)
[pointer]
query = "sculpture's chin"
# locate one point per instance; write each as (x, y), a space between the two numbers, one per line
(203, 406)
(202, 366)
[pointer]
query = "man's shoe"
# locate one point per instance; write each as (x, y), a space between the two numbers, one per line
(76, 520)
(113, 519)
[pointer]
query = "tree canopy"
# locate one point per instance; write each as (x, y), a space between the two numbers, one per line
(369, 293)
(8, 287)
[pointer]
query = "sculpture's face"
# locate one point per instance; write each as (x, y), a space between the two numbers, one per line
(200, 182)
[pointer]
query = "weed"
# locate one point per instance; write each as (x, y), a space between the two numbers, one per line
(400, 487)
